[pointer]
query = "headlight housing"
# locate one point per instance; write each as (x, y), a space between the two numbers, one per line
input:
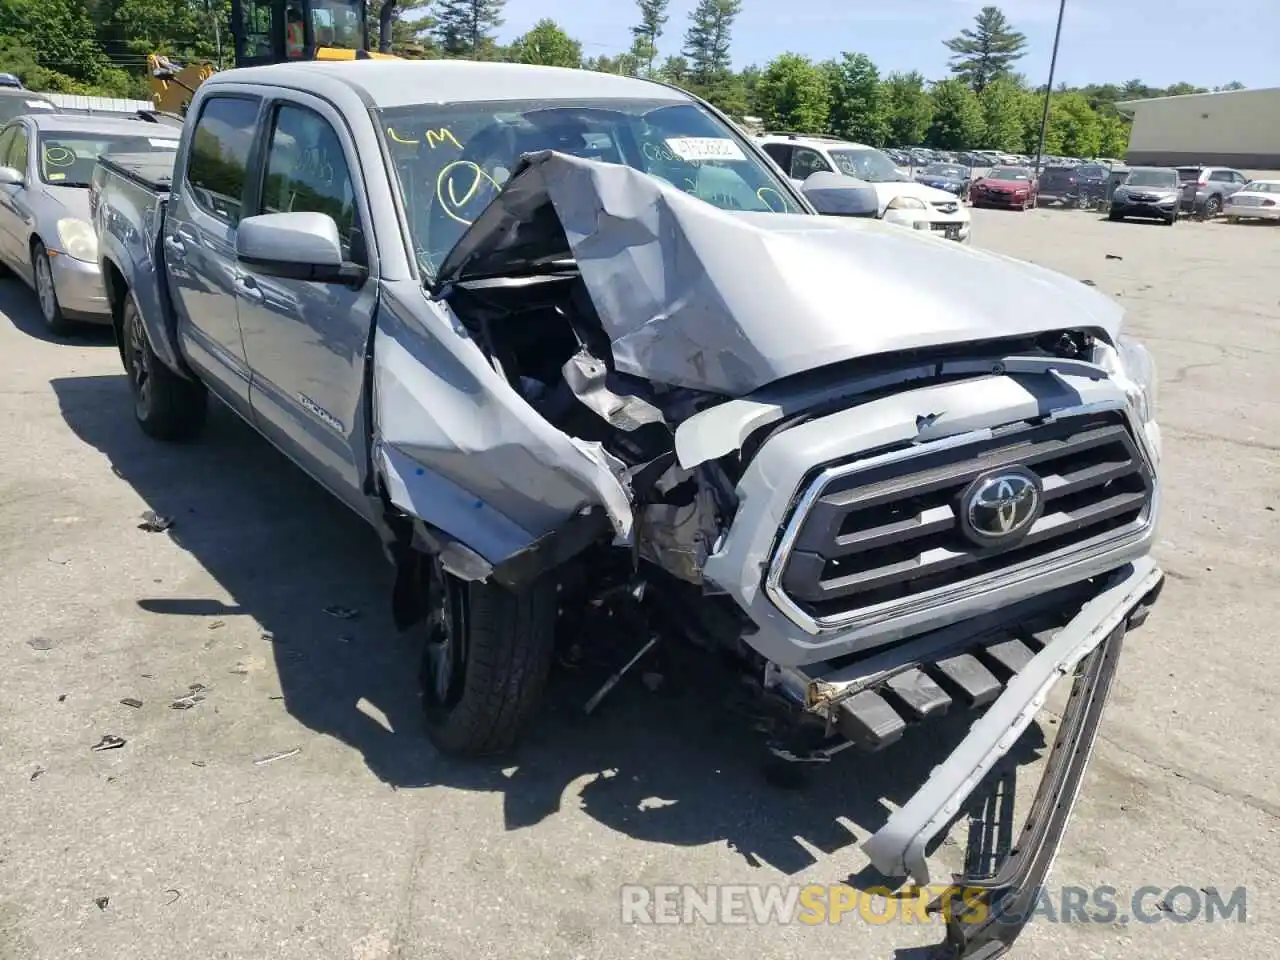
(77, 239)
(907, 203)
(1132, 367)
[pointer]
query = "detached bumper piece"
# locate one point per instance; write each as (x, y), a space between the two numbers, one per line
(1008, 899)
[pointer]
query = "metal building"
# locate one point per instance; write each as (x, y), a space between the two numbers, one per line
(110, 106)
(1236, 128)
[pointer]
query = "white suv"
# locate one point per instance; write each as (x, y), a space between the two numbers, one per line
(902, 200)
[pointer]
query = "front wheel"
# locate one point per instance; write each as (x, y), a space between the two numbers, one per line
(485, 661)
(54, 319)
(1212, 207)
(166, 406)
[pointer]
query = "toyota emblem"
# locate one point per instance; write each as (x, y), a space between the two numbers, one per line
(1000, 507)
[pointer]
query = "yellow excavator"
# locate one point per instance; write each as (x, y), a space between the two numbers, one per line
(277, 31)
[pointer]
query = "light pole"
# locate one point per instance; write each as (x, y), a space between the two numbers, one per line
(1048, 91)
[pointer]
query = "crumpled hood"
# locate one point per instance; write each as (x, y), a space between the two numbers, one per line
(694, 296)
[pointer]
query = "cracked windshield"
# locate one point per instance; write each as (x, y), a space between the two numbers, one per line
(452, 161)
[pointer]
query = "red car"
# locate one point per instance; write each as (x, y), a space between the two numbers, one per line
(1012, 187)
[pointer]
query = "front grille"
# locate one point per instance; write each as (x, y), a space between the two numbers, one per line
(946, 206)
(892, 531)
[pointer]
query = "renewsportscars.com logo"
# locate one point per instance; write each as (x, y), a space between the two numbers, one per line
(814, 904)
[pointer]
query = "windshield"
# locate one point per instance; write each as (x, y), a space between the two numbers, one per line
(945, 170)
(338, 23)
(453, 159)
(865, 164)
(1152, 178)
(1091, 172)
(68, 159)
(1263, 186)
(1009, 173)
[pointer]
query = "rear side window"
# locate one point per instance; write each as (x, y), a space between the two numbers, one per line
(1188, 173)
(217, 166)
(781, 154)
(1222, 176)
(17, 155)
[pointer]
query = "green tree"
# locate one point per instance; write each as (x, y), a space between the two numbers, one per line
(1183, 88)
(709, 38)
(1003, 115)
(546, 44)
(1114, 135)
(794, 93)
(653, 17)
(1075, 126)
(465, 28)
(909, 107)
(623, 64)
(58, 34)
(987, 51)
(957, 116)
(674, 70)
(412, 28)
(859, 108)
(1226, 87)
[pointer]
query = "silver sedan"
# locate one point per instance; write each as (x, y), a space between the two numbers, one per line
(46, 164)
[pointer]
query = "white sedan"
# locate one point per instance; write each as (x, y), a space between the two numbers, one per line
(1258, 198)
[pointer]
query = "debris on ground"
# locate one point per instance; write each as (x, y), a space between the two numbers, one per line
(1114, 256)
(198, 763)
(1088, 283)
(60, 558)
(153, 522)
(340, 612)
(131, 702)
(42, 643)
(268, 636)
(102, 902)
(191, 699)
(217, 624)
(62, 698)
(174, 897)
(109, 741)
(37, 773)
(272, 758)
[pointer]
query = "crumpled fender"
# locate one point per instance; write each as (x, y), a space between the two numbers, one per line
(456, 447)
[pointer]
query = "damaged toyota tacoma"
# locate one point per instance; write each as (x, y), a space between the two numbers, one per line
(571, 342)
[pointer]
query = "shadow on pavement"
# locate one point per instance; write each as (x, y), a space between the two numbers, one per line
(18, 303)
(675, 766)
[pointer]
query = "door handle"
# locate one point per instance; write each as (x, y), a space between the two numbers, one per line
(248, 288)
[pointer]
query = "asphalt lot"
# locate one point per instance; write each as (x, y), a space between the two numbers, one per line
(364, 844)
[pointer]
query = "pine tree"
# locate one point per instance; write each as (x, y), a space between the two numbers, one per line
(653, 17)
(464, 28)
(708, 39)
(986, 52)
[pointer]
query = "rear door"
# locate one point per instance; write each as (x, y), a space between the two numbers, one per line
(306, 341)
(199, 241)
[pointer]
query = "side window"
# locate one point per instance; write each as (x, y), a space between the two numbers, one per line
(217, 165)
(806, 161)
(6, 141)
(1221, 176)
(307, 172)
(781, 154)
(1239, 177)
(17, 154)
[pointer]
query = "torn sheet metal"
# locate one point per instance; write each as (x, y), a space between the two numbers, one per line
(458, 448)
(695, 296)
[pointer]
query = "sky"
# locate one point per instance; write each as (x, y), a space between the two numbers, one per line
(1157, 41)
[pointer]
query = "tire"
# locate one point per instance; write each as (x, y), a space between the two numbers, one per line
(55, 320)
(485, 661)
(1114, 217)
(1212, 207)
(166, 406)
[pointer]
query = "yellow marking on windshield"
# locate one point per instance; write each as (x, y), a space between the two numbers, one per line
(452, 204)
(763, 195)
(434, 138)
(399, 139)
(56, 156)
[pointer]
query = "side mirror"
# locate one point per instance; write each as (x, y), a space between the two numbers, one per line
(9, 177)
(296, 246)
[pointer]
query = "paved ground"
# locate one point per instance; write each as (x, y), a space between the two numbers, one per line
(363, 844)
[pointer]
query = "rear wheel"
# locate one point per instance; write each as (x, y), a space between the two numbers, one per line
(1212, 207)
(166, 406)
(47, 293)
(485, 661)
(1114, 217)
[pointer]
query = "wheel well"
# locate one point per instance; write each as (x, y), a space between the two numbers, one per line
(116, 288)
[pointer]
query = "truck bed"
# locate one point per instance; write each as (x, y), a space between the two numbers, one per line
(152, 171)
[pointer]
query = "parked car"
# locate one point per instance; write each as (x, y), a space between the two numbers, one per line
(901, 198)
(1258, 200)
(1205, 189)
(46, 237)
(622, 363)
(951, 177)
(1149, 193)
(1011, 187)
(14, 102)
(11, 80)
(1072, 185)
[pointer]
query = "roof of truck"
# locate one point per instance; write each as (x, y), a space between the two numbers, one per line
(396, 83)
(68, 123)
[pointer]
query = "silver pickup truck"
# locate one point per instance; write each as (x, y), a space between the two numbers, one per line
(571, 343)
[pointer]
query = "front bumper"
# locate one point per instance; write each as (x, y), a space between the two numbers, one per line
(80, 290)
(1154, 210)
(1247, 211)
(1010, 200)
(948, 226)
